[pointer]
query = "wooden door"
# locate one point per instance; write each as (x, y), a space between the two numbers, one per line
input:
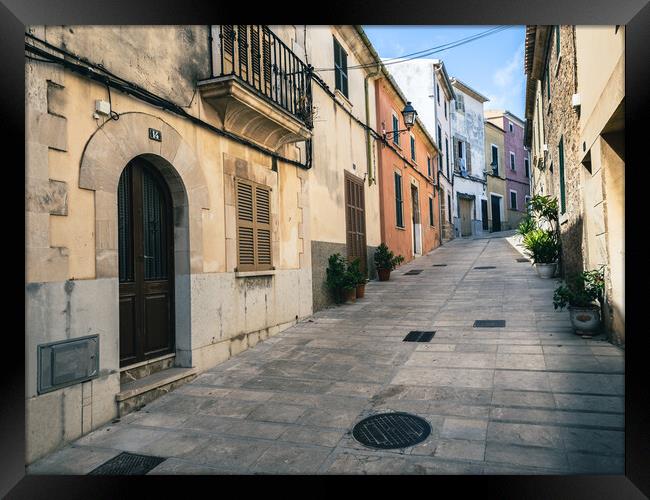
(496, 213)
(145, 229)
(465, 207)
(355, 219)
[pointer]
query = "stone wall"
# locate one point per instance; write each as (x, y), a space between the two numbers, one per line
(561, 122)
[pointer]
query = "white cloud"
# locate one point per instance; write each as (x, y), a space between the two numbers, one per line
(509, 81)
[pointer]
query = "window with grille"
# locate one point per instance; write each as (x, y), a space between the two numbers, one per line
(399, 204)
(340, 68)
(254, 249)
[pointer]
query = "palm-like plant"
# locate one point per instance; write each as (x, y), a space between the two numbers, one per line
(542, 246)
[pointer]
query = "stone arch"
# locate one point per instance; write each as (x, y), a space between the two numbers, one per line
(106, 154)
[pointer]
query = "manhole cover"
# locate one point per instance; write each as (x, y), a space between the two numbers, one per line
(485, 267)
(440, 265)
(391, 430)
(523, 259)
(414, 271)
(127, 464)
(418, 336)
(489, 323)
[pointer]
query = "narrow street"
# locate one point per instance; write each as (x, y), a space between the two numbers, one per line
(529, 398)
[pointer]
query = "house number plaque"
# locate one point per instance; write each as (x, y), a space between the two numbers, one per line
(155, 135)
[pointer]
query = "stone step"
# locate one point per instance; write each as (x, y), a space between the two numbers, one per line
(137, 393)
(146, 368)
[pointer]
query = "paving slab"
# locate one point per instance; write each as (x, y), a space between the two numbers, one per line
(529, 398)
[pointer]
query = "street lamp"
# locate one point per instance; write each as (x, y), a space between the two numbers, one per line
(409, 114)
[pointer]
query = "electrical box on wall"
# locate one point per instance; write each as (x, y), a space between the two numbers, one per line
(102, 107)
(67, 362)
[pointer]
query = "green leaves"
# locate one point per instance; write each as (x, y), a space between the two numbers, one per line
(542, 245)
(385, 259)
(580, 290)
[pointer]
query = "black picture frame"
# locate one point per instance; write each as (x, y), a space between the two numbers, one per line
(635, 14)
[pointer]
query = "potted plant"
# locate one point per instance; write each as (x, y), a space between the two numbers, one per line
(543, 247)
(526, 225)
(349, 286)
(386, 261)
(336, 270)
(580, 293)
(359, 277)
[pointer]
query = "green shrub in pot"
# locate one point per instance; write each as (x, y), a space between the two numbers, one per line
(580, 294)
(543, 247)
(386, 261)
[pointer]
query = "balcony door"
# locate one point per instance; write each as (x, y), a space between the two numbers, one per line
(145, 229)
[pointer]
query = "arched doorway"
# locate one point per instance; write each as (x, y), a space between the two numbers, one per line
(146, 263)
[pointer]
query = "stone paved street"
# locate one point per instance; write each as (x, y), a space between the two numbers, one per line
(530, 398)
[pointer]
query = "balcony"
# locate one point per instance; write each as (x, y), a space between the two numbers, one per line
(259, 88)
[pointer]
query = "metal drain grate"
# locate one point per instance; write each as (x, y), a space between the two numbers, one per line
(523, 259)
(414, 271)
(127, 464)
(485, 267)
(439, 265)
(489, 323)
(391, 430)
(418, 336)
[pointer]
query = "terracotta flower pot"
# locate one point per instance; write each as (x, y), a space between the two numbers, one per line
(384, 274)
(361, 290)
(585, 320)
(350, 295)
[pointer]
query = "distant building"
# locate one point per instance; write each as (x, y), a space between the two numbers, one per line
(495, 166)
(428, 87)
(517, 164)
(469, 160)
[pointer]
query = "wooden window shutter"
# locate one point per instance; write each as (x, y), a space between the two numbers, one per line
(242, 50)
(256, 56)
(254, 244)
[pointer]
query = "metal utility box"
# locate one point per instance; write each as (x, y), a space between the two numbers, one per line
(67, 362)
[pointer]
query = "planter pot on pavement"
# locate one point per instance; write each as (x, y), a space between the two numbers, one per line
(585, 320)
(361, 290)
(545, 271)
(384, 274)
(350, 295)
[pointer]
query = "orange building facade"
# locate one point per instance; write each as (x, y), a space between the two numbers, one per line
(409, 198)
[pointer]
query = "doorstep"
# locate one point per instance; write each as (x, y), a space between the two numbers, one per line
(137, 393)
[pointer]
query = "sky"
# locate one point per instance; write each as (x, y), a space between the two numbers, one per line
(492, 65)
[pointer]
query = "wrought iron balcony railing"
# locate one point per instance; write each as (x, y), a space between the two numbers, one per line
(259, 58)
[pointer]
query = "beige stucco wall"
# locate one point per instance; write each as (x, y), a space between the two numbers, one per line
(496, 185)
(73, 162)
(339, 142)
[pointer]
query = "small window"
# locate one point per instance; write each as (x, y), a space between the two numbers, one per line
(449, 207)
(445, 109)
(447, 154)
(437, 92)
(512, 161)
(495, 160)
(510, 126)
(340, 68)
(460, 150)
(527, 166)
(399, 214)
(439, 130)
(460, 102)
(412, 147)
(429, 173)
(253, 226)
(513, 200)
(431, 211)
(395, 129)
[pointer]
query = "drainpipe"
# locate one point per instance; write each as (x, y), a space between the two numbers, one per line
(368, 143)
